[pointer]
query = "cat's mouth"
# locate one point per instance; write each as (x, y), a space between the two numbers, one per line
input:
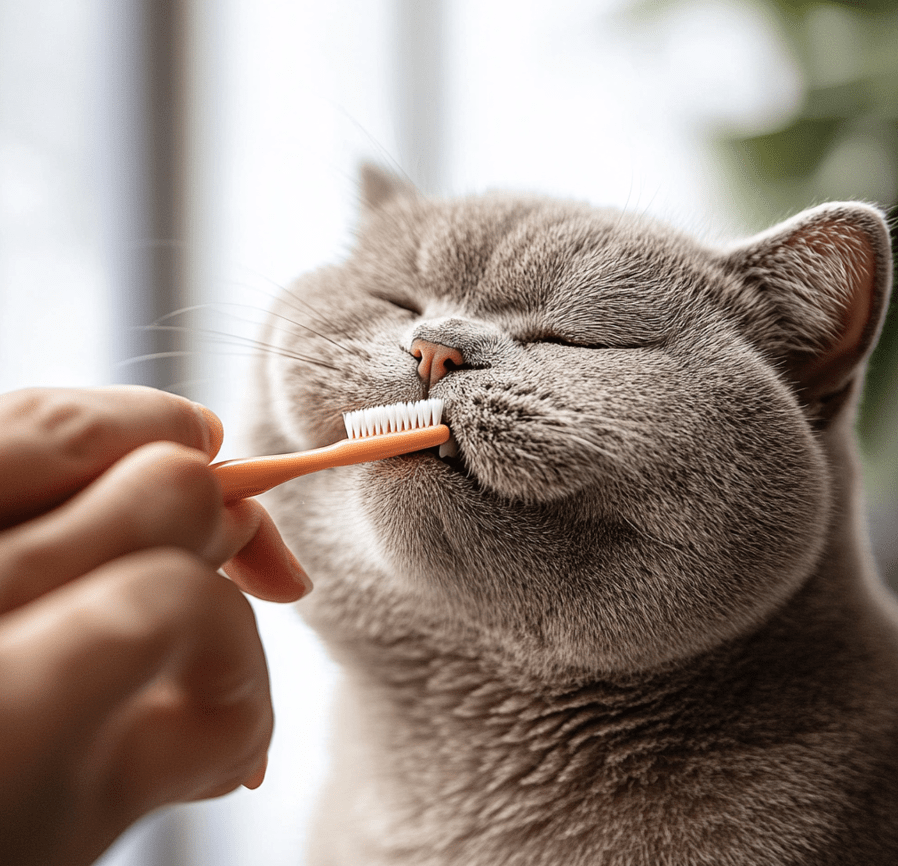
(449, 449)
(450, 455)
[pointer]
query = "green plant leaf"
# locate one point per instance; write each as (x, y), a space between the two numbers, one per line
(793, 152)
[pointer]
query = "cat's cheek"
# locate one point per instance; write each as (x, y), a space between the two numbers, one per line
(762, 534)
(735, 522)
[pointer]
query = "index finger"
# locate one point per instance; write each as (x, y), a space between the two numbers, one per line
(54, 441)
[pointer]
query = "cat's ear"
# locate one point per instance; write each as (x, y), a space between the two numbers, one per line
(379, 186)
(824, 278)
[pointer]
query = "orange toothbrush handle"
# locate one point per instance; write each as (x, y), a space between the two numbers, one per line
(254, 475)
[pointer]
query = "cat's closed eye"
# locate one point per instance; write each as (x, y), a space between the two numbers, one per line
(563, 341)
(587, 343)
(400, 303)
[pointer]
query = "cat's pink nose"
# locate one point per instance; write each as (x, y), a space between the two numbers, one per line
(436, 360)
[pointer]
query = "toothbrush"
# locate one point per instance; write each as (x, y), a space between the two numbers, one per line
(375, 433)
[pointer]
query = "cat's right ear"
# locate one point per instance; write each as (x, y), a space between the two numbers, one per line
(816, 287)
(379, 186)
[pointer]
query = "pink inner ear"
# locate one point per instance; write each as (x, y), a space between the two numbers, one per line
(829, 371)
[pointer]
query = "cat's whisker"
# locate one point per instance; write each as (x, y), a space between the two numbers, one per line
(183, 311)
(219, 305)
(351, 350)
(620, 463)
(269, 349)
(342, 347)
(295, 298)
(154, 356)
(382, 151)
(643, 532)
(308, 307)
(240, 341)
(187, 386)
(254, 272)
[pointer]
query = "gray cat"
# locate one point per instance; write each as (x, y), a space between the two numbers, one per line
(634, 620)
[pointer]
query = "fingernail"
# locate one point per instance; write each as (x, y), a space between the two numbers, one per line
(258, 776)
(299, 573)
(214, 430)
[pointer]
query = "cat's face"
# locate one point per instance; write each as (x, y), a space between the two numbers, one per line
(635, 480)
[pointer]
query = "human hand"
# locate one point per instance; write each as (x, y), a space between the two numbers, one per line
(131, 672)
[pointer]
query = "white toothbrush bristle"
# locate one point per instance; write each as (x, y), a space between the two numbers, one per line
(393, 418)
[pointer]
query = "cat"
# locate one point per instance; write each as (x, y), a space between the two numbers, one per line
(634, 621)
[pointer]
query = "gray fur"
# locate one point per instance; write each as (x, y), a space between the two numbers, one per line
(637, 625)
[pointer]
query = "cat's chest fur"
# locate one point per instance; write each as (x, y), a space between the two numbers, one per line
(440, 764)
(632, 622)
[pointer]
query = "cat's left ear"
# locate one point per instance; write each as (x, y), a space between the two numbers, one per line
(379, 186)
(820, 282)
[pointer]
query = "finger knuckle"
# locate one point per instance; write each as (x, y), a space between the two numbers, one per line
(156, 572)
(135, 598)
(182, 574)
(78, 427)
(162, 494)
(177, 563)
(19, 559)
(163, 585)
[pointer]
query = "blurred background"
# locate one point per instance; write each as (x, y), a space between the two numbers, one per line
(167, 165)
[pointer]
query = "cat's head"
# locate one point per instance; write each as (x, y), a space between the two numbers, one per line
(640, 421)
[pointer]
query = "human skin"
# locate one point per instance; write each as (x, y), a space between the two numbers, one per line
(131, 671)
